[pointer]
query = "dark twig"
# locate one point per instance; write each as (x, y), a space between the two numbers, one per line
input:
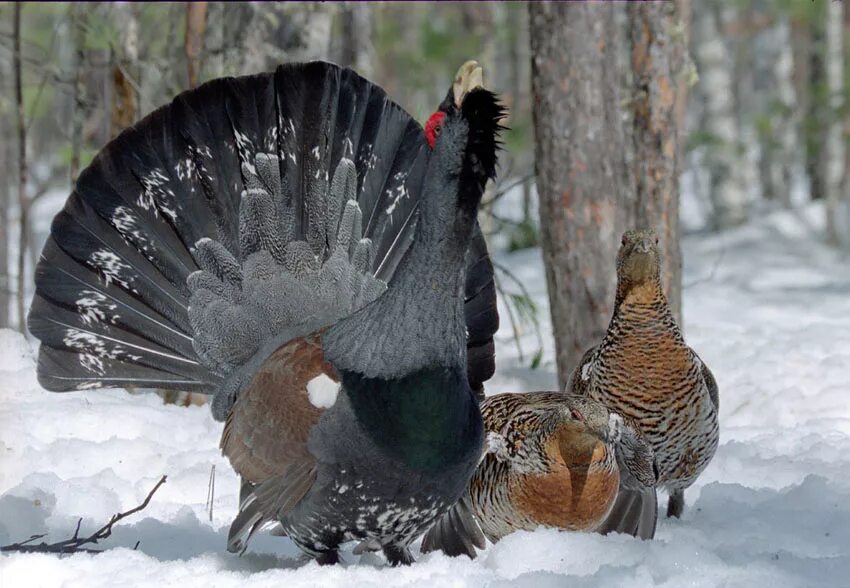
(75, 544)
(501, 190)
(514, 325)
(211, 492)
(524, 293)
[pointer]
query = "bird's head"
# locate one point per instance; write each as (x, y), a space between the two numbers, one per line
(469, 77)
(588, 429)
(638, 262)
(468, 120)
(582, 430)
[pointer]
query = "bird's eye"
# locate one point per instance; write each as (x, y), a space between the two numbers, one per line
(623, 240)
(656, 239)
(437, 129)
(576, 414)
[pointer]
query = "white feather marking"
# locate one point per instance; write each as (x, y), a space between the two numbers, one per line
(322, 391)
(585, 371)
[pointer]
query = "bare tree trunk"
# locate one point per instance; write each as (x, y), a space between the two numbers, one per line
(78, 116)
(5, 203)
(356, 27)
(605, 82)
(778, 107)
(843, 213)
(816, 119)
(728, 185)
(196, 24)
(659, 53)
(23, 205)
(583, 180)
(125, 101)
(834, 148)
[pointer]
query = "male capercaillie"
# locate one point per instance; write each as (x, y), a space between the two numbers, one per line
(291, 244)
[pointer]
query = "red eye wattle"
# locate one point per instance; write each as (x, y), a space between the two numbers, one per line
(432, 127)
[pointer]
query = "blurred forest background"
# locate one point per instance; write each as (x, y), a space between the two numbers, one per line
(760, 115)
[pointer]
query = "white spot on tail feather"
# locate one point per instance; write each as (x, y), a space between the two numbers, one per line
(93, 349)
(94, 307)
(322, 391)
(111, 266)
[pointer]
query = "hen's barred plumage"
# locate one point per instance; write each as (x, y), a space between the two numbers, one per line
(551, 460)
(643, 370)
(288, 243)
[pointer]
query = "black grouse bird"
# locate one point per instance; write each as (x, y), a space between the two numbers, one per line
(290, 244)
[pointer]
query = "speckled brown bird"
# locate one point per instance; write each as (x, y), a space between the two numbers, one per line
(551, 460)
(644, 371)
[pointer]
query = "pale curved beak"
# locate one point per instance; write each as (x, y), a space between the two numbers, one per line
(469, 77)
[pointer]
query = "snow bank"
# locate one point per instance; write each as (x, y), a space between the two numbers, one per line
(766, 306)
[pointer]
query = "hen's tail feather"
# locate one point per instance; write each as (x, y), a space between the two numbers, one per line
(456, 532)
(635, 513)
(304, 157)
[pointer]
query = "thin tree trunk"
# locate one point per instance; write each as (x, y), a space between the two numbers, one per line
(196, 24)
(777, 105)
(816, 118)
(5, 202)
(843, 212)
(578, 56)
(727, 183)
(23, 205)
(125, 102)
(78, 116)
(659, 52)
(348, 36)
(835, 144)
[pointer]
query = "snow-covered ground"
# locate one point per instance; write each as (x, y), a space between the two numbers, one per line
(766, 306)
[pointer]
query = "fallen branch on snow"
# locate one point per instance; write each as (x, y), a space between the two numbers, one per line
(75, 544)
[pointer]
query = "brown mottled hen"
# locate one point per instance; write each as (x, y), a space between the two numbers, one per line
(551, 460)
(643, 370)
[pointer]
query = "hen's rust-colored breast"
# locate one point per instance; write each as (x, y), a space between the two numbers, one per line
(268, 427)
(578, 491)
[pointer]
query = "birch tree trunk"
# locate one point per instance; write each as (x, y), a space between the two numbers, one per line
(78, 112)
(727, 181)
(23, 203)
(5, 203)
(777, 113)
(834, 148)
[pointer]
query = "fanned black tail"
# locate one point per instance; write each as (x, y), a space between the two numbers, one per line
(191, 190)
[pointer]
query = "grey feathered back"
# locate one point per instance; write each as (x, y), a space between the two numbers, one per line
(280, 283)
